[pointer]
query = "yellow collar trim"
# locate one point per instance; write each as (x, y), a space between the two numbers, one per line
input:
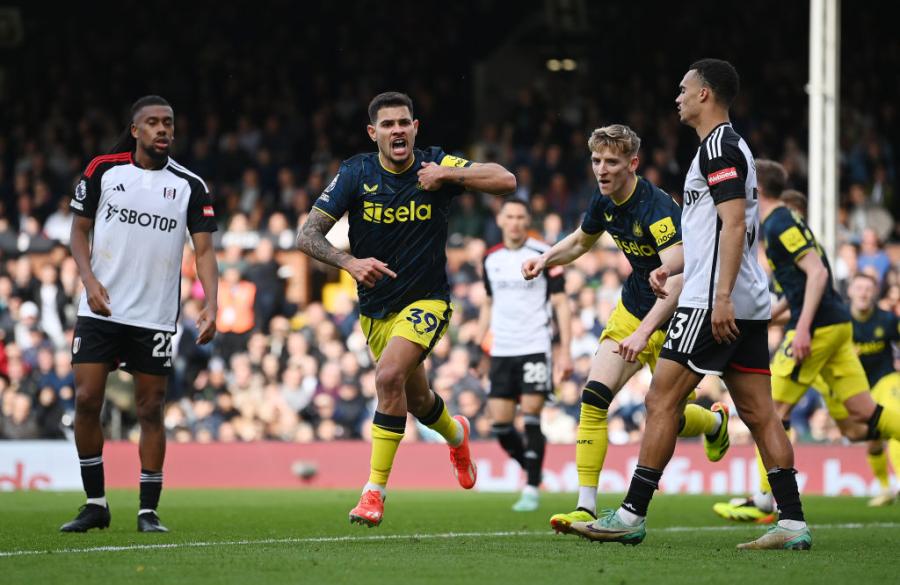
(633, 189)
(409, 166)
(862, 317)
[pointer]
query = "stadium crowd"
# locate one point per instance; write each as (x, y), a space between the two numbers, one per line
(289, 367)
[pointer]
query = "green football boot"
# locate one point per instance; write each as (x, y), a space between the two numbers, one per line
(609, 528)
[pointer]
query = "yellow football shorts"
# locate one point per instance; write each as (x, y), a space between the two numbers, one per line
(422, 322)
(832, 358)
(622, 323)
(886, 393)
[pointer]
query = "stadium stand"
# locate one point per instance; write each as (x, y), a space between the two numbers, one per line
(293, 364)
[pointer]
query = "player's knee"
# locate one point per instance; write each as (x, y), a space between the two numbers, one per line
(658, 401)
(150, 412)
(856, 431)
(655, 403)
(756, 418)
(597, 394)
(88, 403)
(859, 416)
(389, 379)
(531, 408)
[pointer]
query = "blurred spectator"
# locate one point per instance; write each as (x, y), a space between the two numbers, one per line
(49, 413)
(467, 219)
(350, 410)
(872, 257)
(59, 224)
(235, 318)
(262, 272)
(17, 420)
(558, 426)
(470, 405)
(868, 215)
(53, 301)
(293, 391)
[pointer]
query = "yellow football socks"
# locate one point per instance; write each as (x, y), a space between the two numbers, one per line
(889, 423)
(592, 439)
(387, 432)
(879, 464)
(698, 421)
(764, 486)
(894, 455)
(439, 420)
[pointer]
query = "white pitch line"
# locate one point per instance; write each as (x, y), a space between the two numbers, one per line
(389, 537)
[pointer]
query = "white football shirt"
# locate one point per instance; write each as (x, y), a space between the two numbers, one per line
(520, 312)
(723, 169)
(140, 217)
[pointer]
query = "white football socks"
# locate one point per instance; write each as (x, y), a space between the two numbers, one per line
(715, 431)
(587, 497)
(792, 524)
(628, 518)
(378, 488)
(530, 490)
(765, 501)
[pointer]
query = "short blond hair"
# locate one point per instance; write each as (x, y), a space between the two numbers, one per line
(618, 137)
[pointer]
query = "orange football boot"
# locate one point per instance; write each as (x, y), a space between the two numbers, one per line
(370, 509)
(463, 466)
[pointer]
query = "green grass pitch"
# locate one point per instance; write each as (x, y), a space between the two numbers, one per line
(268, 537)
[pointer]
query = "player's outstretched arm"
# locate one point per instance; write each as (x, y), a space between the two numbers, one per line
(662, 309)
(79, 240)
(312, 242)
(208, 273)
(562, 252)
(486, 177)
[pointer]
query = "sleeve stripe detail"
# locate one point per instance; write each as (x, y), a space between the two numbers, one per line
(106, 158)
(322, 211)
(187, 176)
(718, 145)
(714, 144)
(82, 213)
(185, 170)
(494, 248)
(669, 245)
(802, 253)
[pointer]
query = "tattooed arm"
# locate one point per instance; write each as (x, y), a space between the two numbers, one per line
(311, 241)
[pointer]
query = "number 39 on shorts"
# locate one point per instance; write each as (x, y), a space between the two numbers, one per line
(423, 321)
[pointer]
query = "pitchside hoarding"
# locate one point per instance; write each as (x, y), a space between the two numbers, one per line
(53, 465)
